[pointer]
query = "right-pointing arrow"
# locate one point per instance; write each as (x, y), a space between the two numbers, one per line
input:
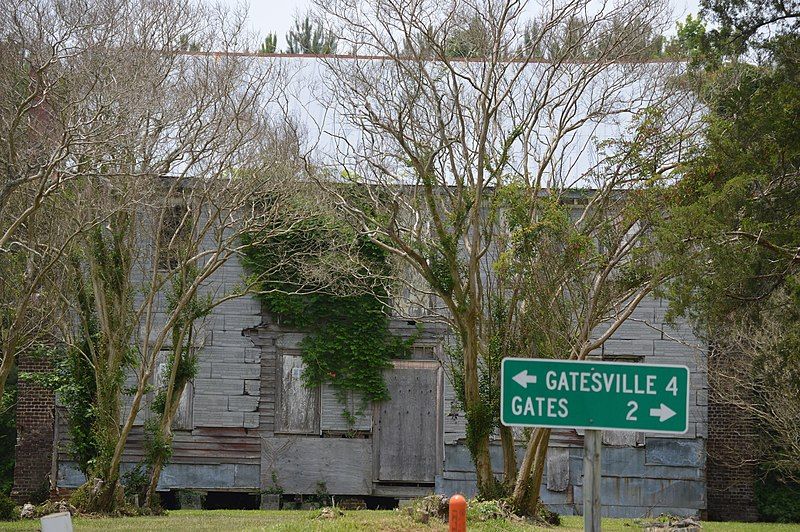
(663, 412)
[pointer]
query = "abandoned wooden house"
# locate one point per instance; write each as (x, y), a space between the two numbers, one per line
(248, 426)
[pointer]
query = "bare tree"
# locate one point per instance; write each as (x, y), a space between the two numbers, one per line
(160, 161)
(39, 124)
(464, 163)
(751, 369)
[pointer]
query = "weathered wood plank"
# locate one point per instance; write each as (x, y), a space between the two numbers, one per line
(557, 468)
(297, 406)
(620, 438)
(300, 463)
(408, 424)
(331, 410)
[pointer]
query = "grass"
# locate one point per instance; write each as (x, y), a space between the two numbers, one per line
(372, 520)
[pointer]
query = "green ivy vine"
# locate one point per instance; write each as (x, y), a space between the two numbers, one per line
(348, 342)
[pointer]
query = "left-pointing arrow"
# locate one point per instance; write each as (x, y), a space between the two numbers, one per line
(663, 412)
(523, 379)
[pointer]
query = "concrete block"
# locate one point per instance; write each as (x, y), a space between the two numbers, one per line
(252, 387)
(643, 493)
(218, 419)
(250, 420)
(190, 500)
(210, 403)
(675, 452)
(69, 476)
(247, 476)
(628, 347)
(242, 403)
(218, 386)
(252, 355)
(227, 370)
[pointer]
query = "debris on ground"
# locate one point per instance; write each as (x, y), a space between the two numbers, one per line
(330, 512)
(669, 523)
(28, 511)
(421, 510)
(352, 503)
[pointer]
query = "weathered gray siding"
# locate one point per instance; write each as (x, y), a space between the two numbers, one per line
(643, 474)
(228, 437)
(218, 429)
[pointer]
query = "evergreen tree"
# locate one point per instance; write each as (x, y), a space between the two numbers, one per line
(270, 44)
(735, 233)
(310, 37)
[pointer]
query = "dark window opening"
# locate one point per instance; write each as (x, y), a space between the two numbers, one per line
(169, 500)
(172, 234)
(231, 500)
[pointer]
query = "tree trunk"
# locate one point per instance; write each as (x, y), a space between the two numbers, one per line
(157, 466)
(103, 494)
(107, 414)
(535, 486)
(5, 369)
(478, 418)
(166, 430)
(509, 457)
(524, 474)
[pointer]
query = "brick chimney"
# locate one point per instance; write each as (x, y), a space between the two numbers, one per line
(35, 426)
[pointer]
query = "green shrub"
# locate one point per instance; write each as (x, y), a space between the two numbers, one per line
(487, 510)
(8, 508)
(778, 501)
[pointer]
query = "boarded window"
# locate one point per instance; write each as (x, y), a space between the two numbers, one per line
(183, 419)
(172, 234)
(332, 417)
(423, 352)
(298, 407)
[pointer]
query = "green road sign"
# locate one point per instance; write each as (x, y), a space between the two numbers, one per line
(594, 395)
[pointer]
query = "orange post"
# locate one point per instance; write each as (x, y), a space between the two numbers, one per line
(458, 513)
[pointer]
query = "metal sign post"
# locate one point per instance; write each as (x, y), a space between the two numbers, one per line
(594, 395)
(592, 443)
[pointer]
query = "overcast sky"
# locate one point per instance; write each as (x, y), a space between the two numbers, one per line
(276, 16)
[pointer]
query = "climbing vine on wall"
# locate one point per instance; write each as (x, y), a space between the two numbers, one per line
(344, 313)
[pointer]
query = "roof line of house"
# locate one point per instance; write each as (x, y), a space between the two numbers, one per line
(655, 60)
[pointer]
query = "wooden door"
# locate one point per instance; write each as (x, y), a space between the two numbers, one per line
(408, 426)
